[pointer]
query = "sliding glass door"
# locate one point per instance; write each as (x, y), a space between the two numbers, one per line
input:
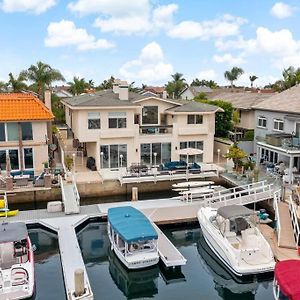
(156, 153)
(113, 156)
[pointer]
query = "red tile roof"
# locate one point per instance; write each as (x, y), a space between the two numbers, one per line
(23, 107)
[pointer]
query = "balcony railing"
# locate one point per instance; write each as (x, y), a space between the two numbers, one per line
(283, 140)
(150, 130)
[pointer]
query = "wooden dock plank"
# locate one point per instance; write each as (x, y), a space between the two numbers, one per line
(287, 239)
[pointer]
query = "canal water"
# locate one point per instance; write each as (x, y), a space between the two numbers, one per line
(203, 277)
(48, 272)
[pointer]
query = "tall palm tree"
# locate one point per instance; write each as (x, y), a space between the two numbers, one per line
(42, 75)
(175, 86)
(91, 84)
(17, 84)
(78, 86)
(233, 75)
(252, 79)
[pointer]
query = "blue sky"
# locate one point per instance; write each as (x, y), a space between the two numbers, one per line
(145, 41)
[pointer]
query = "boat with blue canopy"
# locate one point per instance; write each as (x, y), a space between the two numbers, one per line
(132, 237)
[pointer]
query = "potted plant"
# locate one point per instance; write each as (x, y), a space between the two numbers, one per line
(69, 164)
(46, 166)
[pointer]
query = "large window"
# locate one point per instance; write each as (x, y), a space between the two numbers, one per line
(195, 119)
(26, 131)
(28, 158)
(278, 124)
(113, 156)
(2, 132)
(12, 131)
(262, 122)
(150, 115)
(14, 159)
(117, 120)
(195, 145)
(94, 120)
(156, 153)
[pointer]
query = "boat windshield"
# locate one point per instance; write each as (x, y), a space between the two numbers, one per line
(13, 253)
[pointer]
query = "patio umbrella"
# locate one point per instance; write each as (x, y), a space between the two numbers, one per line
(8, 166)
(188, 152)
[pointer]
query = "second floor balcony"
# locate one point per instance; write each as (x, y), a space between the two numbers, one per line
(283, 140)
(152, 130)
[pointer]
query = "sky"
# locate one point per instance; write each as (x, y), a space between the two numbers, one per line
(146, 41)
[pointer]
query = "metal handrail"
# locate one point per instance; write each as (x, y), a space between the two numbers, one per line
(294, 220)
(277, 218)
(75, 190)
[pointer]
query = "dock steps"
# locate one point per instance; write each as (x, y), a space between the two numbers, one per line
(70, 196)
(168, 253)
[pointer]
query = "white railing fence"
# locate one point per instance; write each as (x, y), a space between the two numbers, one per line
(75, 190)
(294, 219)
(277, 218)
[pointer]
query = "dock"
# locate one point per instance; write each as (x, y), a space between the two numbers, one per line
(168, 253)
(70, 196)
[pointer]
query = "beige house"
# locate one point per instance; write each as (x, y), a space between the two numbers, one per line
(23, 132)
(119, 128)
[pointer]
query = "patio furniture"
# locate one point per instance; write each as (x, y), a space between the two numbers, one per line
(21, 180)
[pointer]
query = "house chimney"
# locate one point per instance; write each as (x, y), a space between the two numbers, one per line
(47, 98)
(116, 86)
(123, 90)
(164, 95)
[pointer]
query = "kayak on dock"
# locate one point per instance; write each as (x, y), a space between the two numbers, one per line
(9, 213)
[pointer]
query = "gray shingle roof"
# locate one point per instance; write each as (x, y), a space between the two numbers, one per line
(286, 101)
(242, 100)
(196, 90)
(103, 98)
(193, 106)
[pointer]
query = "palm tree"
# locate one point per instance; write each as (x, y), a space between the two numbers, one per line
(252, 79)
(91, 84)
(175, 86)
(42, 75)
(17, 84)
(78, 86)
(233, 75)
(3, 87)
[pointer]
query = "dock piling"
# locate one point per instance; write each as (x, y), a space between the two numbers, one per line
(134, 193)
(79, 282)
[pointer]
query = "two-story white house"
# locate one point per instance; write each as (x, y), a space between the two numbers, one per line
(277, 131)
(23, 132)
(119, 128)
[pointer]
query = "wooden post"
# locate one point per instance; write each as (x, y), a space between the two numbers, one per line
(79, 282)
(134, 194)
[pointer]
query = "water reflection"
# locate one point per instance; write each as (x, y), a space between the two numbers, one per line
(48, 273)
(201, 278)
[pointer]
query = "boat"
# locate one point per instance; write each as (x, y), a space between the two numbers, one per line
(286, 280)
(16, 262)
(191, 184)
(132, 237)
(200, 192)
(232, 234)
(9, 213)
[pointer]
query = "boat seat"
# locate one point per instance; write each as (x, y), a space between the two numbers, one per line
(7, 258)
(249, 238)
(19, 276)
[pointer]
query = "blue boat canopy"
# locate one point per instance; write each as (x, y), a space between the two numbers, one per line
(131, 224)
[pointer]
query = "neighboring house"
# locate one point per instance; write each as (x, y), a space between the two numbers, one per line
(243, 102)
(119, 128)
(62, 91)
(156, 91)
(277, 131)
(23, 131)
(190, 92)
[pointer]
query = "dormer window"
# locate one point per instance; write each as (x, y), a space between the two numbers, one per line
(150, 115)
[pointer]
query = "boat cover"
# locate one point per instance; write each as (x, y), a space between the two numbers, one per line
(11, 232)
(131, 224)
(234, 211)
(287, 274)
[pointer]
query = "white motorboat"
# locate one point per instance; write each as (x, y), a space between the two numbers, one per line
(132, 237)
(16, 262)
(232, 234)
(190, 184)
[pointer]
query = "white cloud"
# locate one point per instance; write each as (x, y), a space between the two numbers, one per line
(281, 10)
(127, 17)
(65, 33)
(34, 6)
(207, 74)
(228, 59)
(149, 67)
(224, 26)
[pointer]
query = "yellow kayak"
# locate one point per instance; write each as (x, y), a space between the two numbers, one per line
(10, 213)
(2, 203)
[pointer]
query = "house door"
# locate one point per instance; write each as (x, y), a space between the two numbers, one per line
(298, 130)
